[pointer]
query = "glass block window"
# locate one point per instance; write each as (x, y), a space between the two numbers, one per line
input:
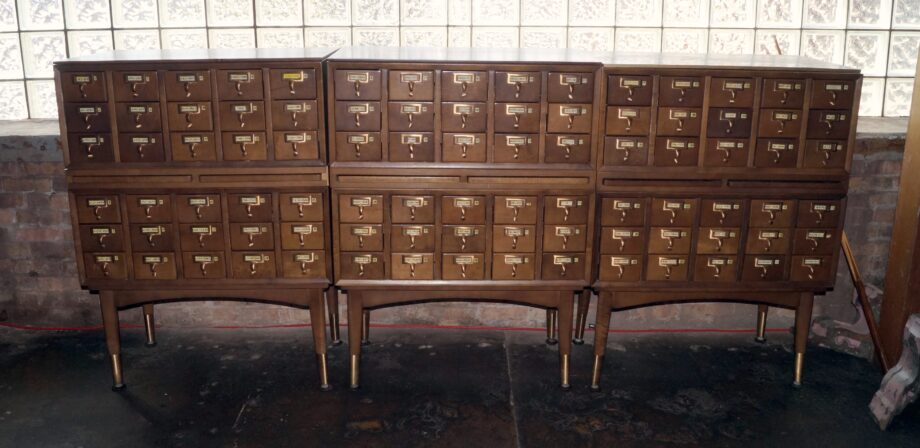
(881, 37)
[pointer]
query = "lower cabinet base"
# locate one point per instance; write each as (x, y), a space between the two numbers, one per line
(610, 301)
(112, 301)
(558, 303)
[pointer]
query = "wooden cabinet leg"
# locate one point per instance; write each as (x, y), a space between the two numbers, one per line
(318, 324)
(761, 323)
(112, 337)
(150, 326)
(365, 327)
(332, 303)
(356, 321)
(564, 315)
(602, 325)
(581, 316)
(551, 320)
(802, 328)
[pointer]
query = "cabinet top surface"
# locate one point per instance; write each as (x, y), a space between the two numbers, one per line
(464, 55)
(203, 55)
(712, 61)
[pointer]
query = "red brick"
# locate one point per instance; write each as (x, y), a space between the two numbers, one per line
(38, 184)
(54, 234)
(7, 216)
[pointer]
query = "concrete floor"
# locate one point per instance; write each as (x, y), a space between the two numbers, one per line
(241, 388)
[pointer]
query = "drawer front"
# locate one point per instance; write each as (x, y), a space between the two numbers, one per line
(677, 151)
(361, 208)
(411, 116)
(558, 238)
(198, 207)
(304, 264)
(252, 265)
(357, 116)
(674, 212)
(413, 266)
(567, 266)
(679, 121)
(302, 235)
(149, 208)
(513, 267)
(462, 267)
(729, 123)
(780, 123)
(517, 148)
(783, 93)
(83, 86)
(517, 86)
(815, 242)
(110, 266)
(412, 209)
(242, 116)
(141, 147)
(191, 85)
(412, 238)
(515, 210)
(721, 212)
(810, 268)
(250, 207)
(667, 268)
(834, 94)
(358, 146)
(464, 85)
(98, 209)
(90, 148)
(411, 147)
(361, 237)
(152, 237)
(718, 240)
(87, 117)
(815, 213)
(294, 115)
(411, 85)
(290, 84)
(623, 211)
(463, 117)
(567, 149)
(628, 120)
(102, 238)
(138, 117)
(564, 118)
(155, 266)
(825, 153)
(241, 146)
(517, 117)
(239, 84)
(572, 86)
(731, 92)
(296, 146)
(715, 268)
(726, 152)
(354, 84)
(463, 238)
(463, 209)
(629, 90)
(768, 241)
(776, 153)
(136, 86)
(669, 240)
(763, 268)
(204, 265)
(190, 116)
(623, 240)
(193, 146)
(464, 148)
(513, 238)
(252, 236)
(301, 206)
(626, 151)
(772, 213)
(207, 237)
(829, 124)
(618, 268)
(565, 210)
(680, 91)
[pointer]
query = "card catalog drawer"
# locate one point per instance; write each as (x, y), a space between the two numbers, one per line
(252, 236)
(250, 207)
(412, 209)
(301, 206)
(141, 147)
(517, 86)
(565, 210)
(783, 93)
(109, 266)
(513, 238)
(515, 210)
(674, 212)
(619, 268)
(412, 238)
(715, 268)
(193, 146)
(463, 238)
(412, 266)
(565, 118)
(623, 211)
(629, 90)
(83, 86)
(204, 265)
(718, 240)
(411, 85)
(768, 241)
(731, 92)
(362, 266)
(253, 265)
(568, 266)
(101, 209)
(623, 240)
(102, 238)
(463, 209)
(464, 148)
(512, 267)
(463, 117)
(517, 117)
(304, 264)
(667, 268)
(562, 238)
(763, 268)
(462, 267)
(155, 266)
(359, 237)
(571, 86)
(198, 207)
(361, 208)
(188, 85)
(152, 237)
(517, 148)
(149, 208)
(206, 236)
(575, 148)
(626, 151)
(239, 84)
(355, 84)
(295, 83)
(358, 146)
(772, 213)
(302, 235)
(464, 85)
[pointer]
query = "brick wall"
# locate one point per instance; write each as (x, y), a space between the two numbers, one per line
(39, 286)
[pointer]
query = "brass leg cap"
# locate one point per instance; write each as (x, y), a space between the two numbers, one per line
(325, 387)
(354, 387)
(797, 384)
(760, 340)
(119, 387)
(337, 342)
(566, 386)
(595, 387)
(366, 342)
(551, 341)
(150, 344)
(578, 341)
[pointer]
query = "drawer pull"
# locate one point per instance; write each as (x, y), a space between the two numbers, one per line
(138, 117)
(82, 90)
(193, 149)
(719, 237)
(517, 90)
(89, 150)
(357, 150)
(87, 118)
(785, 97)
(833, 100)
(240, 79)
(726, 156)
(241, 113)
(293, 79)
(203, 265)
(98, 206)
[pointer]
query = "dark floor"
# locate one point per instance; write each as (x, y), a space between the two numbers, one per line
(237, 388)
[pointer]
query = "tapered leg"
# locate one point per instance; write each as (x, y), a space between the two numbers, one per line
(581, 316)
(318, 324)
(112, 337)
(802, 327)
(565, 336)
(366, 327)
(150, 326)
(355, 318)
(601, 326)
(332, 303)
(551, 320)
(761, 323)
